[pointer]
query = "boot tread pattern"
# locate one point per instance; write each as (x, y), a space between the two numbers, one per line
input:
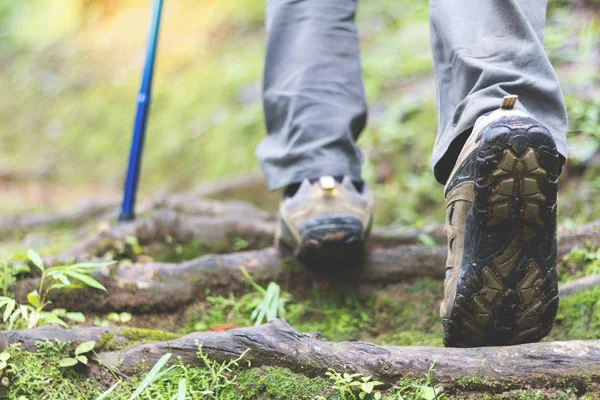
(507, 291)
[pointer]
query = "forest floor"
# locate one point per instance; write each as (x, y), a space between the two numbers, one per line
(60, 185)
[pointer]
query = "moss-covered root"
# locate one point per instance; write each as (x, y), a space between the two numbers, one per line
(106, 338)
(300, 366)
(539, 365)
(140, 288)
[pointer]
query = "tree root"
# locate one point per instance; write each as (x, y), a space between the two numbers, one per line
(216, 232)
(215, 225)
(140, 288)
(145, 287)
(109, 209)
(537, 365)
(27, 339)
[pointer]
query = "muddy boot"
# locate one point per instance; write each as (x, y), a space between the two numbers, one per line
(501, 280)
(325, 222)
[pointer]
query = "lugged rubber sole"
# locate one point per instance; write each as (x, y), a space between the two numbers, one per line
(329, 242)
(507, 290)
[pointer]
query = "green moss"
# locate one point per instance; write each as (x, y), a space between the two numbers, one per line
(337, 314)
(564, 388)
(108, 341)
(518, 395)
(398, 315)
(476, 384)
(525, 395)
(409, 338)
(580, 262)
(147, 335)
(408, 315)
(281, 384)
(176, 252)
(38, 375)
(578, 316)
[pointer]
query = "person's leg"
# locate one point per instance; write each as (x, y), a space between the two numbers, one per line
(315, 109)
(313, 93)
(484, 50)
(501, 169)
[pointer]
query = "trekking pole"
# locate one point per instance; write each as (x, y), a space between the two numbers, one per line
(141, 116)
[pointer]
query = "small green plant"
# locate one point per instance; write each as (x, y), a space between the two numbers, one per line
(272, 304)
(108, 391)
(80, 356)
(426, 391)
(8, 271)
(181, 389)
(219, 375)
(120, 318)
(207, 382)
(4, 357)
(31, 315)
(240, 244)
(354, 386)
(426, 240)
(154, 374)
(113, 318)
(6, 277)
(134, 244)
(581, 261)
(430, 392)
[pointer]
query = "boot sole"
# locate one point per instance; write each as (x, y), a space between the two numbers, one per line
(507, 291)
(329, 242)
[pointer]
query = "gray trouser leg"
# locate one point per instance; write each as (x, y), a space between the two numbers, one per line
(484, 50)
(312, 91)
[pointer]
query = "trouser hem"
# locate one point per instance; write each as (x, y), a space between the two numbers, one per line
(278, 178)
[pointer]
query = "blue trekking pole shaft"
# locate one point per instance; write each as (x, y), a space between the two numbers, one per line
(141, 116)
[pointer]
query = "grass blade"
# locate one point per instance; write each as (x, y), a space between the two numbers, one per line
(10, 307)
(152, 375)
(180, 390)
(88, 280)
(35, 259)
(255, 285)
(111, 389)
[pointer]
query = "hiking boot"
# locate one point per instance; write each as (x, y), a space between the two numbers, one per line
(501, 279)
(325, 222)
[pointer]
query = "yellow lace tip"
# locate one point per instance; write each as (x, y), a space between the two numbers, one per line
(509, 102)
(327, 185)
(329, 192)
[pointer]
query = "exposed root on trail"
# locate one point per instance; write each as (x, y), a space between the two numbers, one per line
(216, 225)
(539, 365)
(140, 288)
(105, 210)
(149, 287)
(217, 232)
(152, 286)
(27, 339)
(143, 286)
